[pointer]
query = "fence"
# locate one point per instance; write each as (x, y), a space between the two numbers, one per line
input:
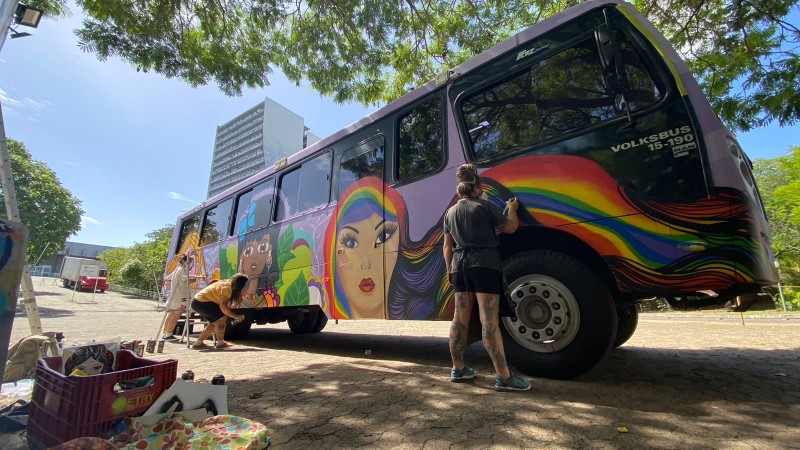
(136, 291)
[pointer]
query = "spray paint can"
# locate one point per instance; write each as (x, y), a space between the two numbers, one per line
(139, 348)
(151, 345)
(161, 345)
(218, 379)
(188, 375)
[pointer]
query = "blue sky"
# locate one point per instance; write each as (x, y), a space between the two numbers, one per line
(136, 148)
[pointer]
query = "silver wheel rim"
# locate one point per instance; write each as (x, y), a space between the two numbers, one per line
(548, 317)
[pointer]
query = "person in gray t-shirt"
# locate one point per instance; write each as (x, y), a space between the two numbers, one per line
(474, 269)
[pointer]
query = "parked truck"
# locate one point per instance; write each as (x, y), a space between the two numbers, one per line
(86, 273)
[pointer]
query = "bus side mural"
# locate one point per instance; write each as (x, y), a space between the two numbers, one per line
(649, 244)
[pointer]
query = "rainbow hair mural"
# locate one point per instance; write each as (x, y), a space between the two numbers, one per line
(647, 243)
(362, 199)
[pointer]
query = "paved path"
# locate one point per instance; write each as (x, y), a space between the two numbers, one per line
(678, 383)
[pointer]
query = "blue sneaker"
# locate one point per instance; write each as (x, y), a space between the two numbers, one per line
(459, 376)
(512, 383)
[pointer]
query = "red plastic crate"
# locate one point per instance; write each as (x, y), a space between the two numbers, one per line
(63, 408)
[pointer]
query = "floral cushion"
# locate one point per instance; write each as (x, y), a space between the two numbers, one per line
(176, 433)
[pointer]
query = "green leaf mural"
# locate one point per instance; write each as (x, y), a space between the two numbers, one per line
(285, 242)
(229, 260)
(297, 293)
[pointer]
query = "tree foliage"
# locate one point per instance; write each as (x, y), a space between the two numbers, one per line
(744, 52)
(140, 266)
(779, 183)
(48, 209)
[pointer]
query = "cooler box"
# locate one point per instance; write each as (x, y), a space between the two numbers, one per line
(63, 408)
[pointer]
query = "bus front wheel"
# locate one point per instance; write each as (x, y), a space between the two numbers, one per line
(566, 319)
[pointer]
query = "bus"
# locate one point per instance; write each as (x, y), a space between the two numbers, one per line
(630, 188)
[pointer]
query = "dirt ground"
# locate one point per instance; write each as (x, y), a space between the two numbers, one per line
(682, 381)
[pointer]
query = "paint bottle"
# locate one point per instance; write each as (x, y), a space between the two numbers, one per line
(188, 375)
(218, 379)
(161, 345)
(151, 345)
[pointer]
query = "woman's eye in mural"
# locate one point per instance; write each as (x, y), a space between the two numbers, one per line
(248, 251)
(386, 232)
(349, 240)
(263, 247)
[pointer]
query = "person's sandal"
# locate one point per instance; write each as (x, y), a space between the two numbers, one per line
(201, 346)
(223, 344)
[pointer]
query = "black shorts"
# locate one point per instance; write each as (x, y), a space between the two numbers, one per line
(479, 279)
(208, 310)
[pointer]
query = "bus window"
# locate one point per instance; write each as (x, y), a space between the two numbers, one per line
(304, 188)
(359, 163)
(242, 208)
(254, 208)
(216, 223)
(189, 229)
(421, 140)
(561, 94)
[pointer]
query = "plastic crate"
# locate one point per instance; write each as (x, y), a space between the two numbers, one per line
(63, 408)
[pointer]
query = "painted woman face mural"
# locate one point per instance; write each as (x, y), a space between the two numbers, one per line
(256, 259)
(364, 235)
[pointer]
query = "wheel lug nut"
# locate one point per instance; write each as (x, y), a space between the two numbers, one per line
(555, 306)
(548, 331)
(557, 320)
(523, 330)
(536, 335)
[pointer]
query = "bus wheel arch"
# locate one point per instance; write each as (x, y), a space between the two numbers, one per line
(538, 238)
(566, 318)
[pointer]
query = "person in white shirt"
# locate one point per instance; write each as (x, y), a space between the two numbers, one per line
(178, 296)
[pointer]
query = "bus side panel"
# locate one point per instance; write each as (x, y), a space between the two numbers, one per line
(287, 262)
(648, 244)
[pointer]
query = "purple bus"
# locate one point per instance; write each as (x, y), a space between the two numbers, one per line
(630, 188)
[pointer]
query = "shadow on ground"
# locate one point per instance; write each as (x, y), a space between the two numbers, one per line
(676, 398)
(44, 312)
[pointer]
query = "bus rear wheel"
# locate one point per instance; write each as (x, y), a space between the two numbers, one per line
(311, 321)
(566, 318)
(628, 319)
(241, 329)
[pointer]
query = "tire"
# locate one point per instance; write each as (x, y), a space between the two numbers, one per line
(65, 283)
(307, 322)
(627, 320)
(566, 319)
(241, 329)
(322, 320)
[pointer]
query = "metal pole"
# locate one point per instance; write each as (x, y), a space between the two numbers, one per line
(780, 291)
(41, 254)
(12, 211)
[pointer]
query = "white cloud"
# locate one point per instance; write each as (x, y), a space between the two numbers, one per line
(69, 163)
(26, 104)
(89, 220)
(36, 105)
(178, 196)
(8, 101)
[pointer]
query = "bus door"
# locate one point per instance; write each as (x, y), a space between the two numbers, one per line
(361, 232)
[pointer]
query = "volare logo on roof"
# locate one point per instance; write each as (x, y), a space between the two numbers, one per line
(526, 53)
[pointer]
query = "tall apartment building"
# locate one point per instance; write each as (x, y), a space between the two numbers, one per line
(253, 141)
